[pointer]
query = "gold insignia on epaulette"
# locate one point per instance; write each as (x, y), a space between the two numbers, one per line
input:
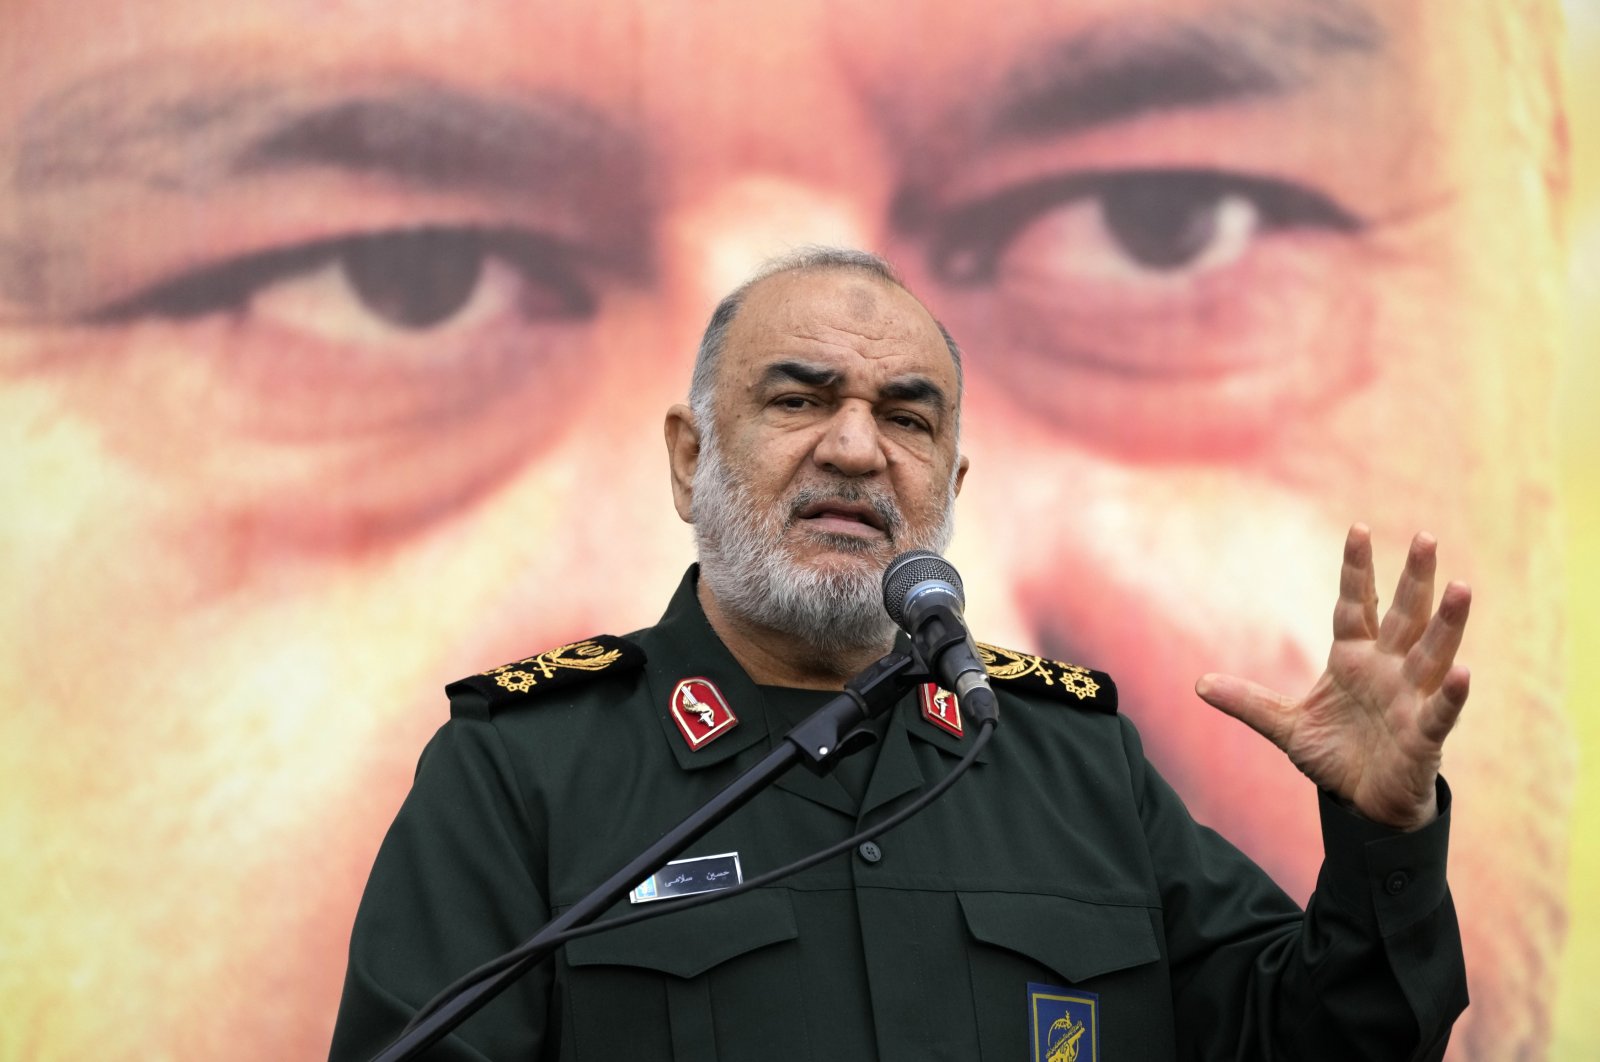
(522, 675)
(1079, 684)
(1008, 664)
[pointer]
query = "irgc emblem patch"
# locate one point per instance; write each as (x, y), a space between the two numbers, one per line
(701, 712)
(939, 708)
(1065, 1022)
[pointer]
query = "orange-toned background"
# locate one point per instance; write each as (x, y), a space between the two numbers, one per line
(273, 751)
(1577, 1016)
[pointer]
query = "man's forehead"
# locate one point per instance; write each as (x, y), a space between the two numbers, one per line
(837, 316)
(838, 295)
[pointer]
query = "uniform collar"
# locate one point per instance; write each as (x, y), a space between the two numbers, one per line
(684, 645)
(919, 727)
(898, 771)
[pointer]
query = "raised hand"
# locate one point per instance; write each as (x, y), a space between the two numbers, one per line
(1372, 729)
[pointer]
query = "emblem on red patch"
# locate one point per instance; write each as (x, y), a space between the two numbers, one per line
(700, 711)
(939, 708)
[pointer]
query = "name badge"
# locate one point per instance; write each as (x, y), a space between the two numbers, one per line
(686, 877)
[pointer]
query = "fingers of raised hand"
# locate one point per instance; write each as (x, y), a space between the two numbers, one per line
(1407, 617)
(1443, 707)
(1356, 614)
(1428, 663)
(1266, 711)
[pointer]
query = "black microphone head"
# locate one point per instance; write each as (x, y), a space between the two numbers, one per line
(908, 570)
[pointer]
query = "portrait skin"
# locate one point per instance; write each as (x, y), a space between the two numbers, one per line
(335, 345)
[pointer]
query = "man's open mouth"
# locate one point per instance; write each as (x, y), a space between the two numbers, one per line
(843, 517)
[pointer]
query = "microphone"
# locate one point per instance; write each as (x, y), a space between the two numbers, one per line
(922, 594)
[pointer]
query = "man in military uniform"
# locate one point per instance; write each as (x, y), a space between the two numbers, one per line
(1058, 903)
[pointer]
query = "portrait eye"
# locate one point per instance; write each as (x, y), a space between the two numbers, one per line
(432, 342)
(1159, 230)
(1129, 223)
(1157, 311)
(407, 281)
(415, 280)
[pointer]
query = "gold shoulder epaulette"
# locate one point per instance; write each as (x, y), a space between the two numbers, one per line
(1071, 683)
(558, 668)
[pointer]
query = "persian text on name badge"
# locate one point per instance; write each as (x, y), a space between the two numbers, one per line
(686, 877)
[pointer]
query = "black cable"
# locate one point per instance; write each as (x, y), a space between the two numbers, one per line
(665, 907)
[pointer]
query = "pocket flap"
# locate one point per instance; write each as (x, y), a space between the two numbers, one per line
(688, 943)
(1078, 940)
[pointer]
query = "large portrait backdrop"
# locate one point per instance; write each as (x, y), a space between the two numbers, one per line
(336, 339)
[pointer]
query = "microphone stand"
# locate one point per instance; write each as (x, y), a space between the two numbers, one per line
(819, 741)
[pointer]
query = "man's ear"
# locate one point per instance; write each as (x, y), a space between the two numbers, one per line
(683, 457)
(961, 471)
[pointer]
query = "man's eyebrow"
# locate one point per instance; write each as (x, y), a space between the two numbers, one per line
(169, 134)
(789, 371)
(1128, 67)
(910, 388)
(918, 389)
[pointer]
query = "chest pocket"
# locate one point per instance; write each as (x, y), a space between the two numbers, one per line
(1101, 948)
(708, 983)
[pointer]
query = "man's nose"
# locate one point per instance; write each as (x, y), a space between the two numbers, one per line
(850, 444)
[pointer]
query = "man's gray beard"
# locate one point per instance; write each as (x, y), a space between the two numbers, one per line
(745, 562)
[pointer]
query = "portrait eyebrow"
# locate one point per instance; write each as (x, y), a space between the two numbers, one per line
(173, 136)
(1125, 68)
(83, 160)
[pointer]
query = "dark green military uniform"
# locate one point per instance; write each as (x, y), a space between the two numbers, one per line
(1060, 860)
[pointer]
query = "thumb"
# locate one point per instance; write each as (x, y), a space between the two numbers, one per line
(1264, 710)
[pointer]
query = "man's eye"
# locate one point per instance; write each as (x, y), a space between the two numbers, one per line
(408, 281)
(908, 421)
(1123, 225)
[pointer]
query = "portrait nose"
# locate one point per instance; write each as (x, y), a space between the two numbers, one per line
(719, 237)
(850, 444)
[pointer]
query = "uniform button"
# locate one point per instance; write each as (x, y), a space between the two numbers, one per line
(870, 851)
(1396, 883)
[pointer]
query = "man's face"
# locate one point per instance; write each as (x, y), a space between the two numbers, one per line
(831, 449)
(334, 347)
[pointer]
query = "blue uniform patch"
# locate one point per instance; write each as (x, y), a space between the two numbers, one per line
(1065, 1023)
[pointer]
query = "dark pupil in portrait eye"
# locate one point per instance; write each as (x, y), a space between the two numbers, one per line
(417, 279)
(1162, 227)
